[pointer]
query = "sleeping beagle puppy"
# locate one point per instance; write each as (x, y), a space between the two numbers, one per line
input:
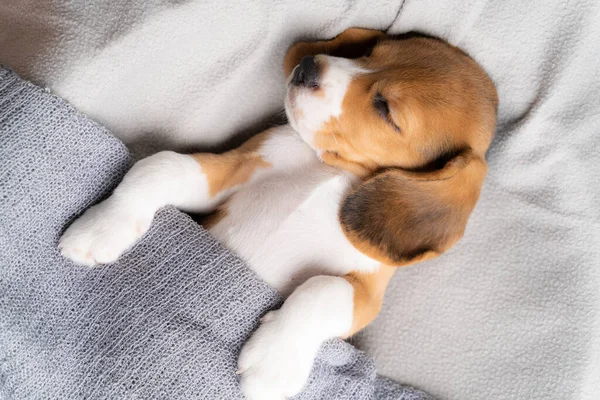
(379, 167)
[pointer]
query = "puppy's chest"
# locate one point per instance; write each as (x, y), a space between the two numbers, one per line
(285, 225)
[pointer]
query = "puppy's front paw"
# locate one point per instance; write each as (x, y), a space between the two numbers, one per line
(277, 359)
(103, 233)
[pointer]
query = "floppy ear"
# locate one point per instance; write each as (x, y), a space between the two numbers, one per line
(352, 43)
(400, 217)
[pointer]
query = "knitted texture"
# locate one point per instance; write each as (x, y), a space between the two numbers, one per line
(164, 322)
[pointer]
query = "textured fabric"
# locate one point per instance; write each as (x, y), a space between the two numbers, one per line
(513, 310)
(171, 73)
(165, 322)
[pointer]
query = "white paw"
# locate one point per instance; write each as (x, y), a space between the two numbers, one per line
(103, 233)
(277, 359)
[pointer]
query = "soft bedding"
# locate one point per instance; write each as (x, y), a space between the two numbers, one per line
(165, 322)
(512, 311)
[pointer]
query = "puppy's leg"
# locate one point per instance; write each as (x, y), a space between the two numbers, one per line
(108, 229)
(194, 183)
(277, 359)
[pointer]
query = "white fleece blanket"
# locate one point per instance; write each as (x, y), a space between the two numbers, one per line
(512, 311)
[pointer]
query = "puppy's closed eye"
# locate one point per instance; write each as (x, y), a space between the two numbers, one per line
(383, 109)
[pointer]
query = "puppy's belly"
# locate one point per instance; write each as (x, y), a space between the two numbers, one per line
(285, 226)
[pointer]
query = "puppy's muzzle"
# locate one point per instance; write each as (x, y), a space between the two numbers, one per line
(306, 73)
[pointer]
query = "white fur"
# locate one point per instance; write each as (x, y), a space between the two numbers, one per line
(108, 229)
(283, 222)
(315, 111)
(276, 361)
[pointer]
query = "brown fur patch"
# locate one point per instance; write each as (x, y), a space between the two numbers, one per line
(421, 152)
(400, 217)
(369, 289)
(224, 171)
(439, 99)
(335, 160)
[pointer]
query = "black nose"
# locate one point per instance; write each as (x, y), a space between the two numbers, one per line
(306, 73)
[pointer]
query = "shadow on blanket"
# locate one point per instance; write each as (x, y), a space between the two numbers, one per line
(167, 321)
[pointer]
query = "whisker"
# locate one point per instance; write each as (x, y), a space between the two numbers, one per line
(334, 137)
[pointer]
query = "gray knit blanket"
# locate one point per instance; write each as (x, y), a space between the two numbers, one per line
(165, 322)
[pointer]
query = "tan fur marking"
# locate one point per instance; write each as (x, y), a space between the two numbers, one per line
(415, 128)
(224, 171)
(333, 159)
(439, 100)
(402, 217)
(369, 289)
(380, 255)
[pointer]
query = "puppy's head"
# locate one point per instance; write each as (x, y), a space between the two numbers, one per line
(413, 117)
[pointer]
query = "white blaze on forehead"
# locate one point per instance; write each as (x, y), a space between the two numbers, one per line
(308, 111)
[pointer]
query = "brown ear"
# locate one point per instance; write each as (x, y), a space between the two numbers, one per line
(400, 217)
(352, 43)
